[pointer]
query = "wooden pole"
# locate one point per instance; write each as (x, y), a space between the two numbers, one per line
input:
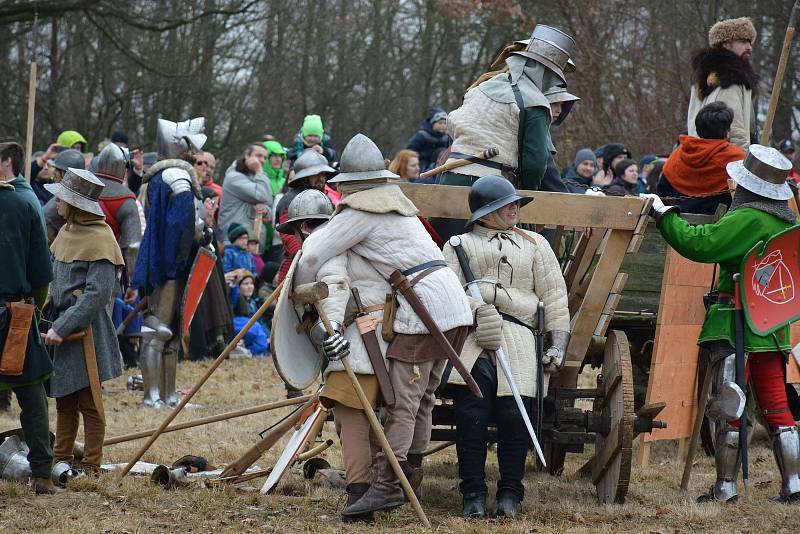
(456, 163)
(210, 419)
(376, 427)
(778, 82)
(702, 402)
(186, 398)
(29, 132)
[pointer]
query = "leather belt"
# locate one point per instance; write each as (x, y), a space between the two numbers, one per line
(512, 319)
(423, 266)
(485, 162)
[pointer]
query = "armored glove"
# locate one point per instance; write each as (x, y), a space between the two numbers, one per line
(553, 358)
(489, 330)
(335, 346)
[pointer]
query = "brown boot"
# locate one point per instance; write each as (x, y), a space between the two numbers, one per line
(384, 494)
(45, 486)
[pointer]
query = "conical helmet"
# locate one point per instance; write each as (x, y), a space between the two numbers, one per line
(112, 162)
(175, 138)
(309, 163)
(308, 204)
(361, 161)
(490, 193)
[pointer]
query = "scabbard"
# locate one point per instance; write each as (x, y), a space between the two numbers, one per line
(91, 368)
(400, 283)
(366, 327)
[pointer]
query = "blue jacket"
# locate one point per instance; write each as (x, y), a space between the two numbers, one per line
(236, 258)
(428, 143)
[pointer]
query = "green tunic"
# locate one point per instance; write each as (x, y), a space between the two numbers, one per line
(25, 266)
(726, 242)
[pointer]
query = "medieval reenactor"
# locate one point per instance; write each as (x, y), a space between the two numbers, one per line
(515, 270)
(311, 170)
(376, 221)
(759, 211)
(86, 257)
(174, 226)
(24, 362)
(511, 113)
(723, 73)
(342, 274)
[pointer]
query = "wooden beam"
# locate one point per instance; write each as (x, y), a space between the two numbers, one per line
(553, 209)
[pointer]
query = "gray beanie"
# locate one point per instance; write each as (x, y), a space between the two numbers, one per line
(583, 155)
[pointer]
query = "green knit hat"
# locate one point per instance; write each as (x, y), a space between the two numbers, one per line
(312, 125)
(235, 231)
(70, 137)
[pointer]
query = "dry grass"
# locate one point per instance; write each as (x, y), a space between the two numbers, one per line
(551, 504)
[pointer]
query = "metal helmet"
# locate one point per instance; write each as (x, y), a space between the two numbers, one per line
(14, 459)
(763, 171)
(560, 94)
(112, 162)
(361, 161)
(175, 138)
(79, 188)
(308, 204)
(309, 163)
(552, 48)
(490, 193)
(69, 158)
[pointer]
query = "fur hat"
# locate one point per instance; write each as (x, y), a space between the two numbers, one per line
(731, 30)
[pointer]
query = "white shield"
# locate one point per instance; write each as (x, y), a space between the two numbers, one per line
(296, 358)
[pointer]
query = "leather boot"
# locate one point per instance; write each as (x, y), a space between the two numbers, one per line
(507, 505)
(354, 493)
(45, 486)
(384, 494)
(414, 473)
(474, 506)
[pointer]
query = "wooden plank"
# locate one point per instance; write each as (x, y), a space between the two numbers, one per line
(584, 262)
(554, 209)
(643, 455)
(683, 306)
(585, 320)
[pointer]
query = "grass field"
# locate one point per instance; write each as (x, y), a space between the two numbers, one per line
(565, 504)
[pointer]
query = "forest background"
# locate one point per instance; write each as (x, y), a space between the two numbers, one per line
(256, 67)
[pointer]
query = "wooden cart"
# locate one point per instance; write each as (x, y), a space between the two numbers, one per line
(595, 285)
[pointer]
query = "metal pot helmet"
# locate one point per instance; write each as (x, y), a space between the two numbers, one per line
(552, 48)
(173, 139)
(560, 94)
(362, 161)
(308, 204)
(112, 162)
(490, 193)
(69, 158)
(309, 163)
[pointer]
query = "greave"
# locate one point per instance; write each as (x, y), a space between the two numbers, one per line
(168, 374)
(727, 460)
(786, 447)
(150, 364)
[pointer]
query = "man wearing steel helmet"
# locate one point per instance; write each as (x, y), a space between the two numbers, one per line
(517, 270)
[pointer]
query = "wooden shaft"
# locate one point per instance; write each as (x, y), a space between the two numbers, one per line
(94, 374)
(439, 447)
(376, 427)
(186, 398)
(134, 312)
(210, 419)
(456, 163)
(319, 449)
(77, 336)
(29, 131)
(778, 82)
(257, 223)
(238, 478)
(702, 402)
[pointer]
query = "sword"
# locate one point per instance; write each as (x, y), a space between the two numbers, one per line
(539, 366)
(489, 153)
(134, 312)
(366, 327)
(500, 355)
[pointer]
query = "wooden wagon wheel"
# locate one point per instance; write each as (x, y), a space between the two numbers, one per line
(611, 468)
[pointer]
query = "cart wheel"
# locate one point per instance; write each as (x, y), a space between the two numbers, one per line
(611, 468)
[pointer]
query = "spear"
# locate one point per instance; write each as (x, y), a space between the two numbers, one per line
(778, 83)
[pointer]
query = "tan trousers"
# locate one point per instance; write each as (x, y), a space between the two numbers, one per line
(408, 425)
(359, 445)
(94, 430)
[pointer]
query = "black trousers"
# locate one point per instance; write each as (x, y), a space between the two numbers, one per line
(473, 416)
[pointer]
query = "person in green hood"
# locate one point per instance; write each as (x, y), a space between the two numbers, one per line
(312, 135)
(72, 139)
(273, 168)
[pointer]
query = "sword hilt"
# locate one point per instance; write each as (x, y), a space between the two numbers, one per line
(357, 300)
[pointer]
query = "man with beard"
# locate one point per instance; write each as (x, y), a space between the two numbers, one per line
(722, 73)
(174, 225)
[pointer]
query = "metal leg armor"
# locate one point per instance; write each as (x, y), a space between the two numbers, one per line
(726, 403)
(786, 447)
(168, 374)
(163, 303)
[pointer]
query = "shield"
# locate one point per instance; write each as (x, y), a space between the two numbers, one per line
(770, 274)
(293, 449)
(296, 358)
(203, 265)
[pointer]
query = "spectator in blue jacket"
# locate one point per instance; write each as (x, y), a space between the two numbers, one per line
(237, 259)
(430, 139)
